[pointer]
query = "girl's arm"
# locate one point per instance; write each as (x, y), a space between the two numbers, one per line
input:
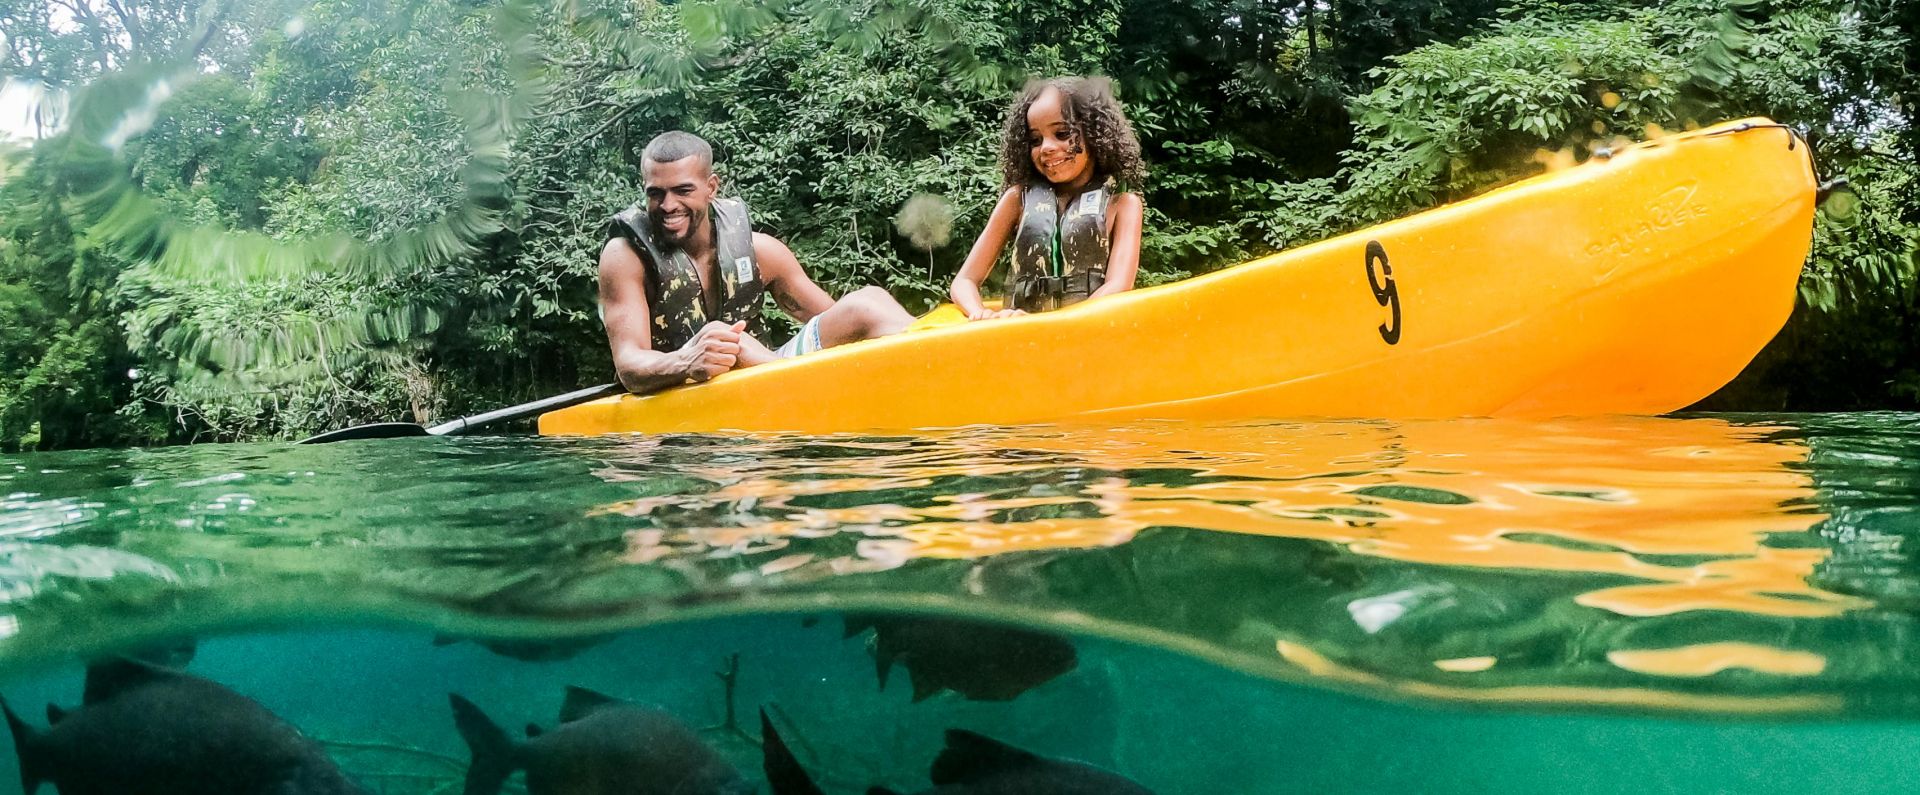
(1123, 257)
(965, 291)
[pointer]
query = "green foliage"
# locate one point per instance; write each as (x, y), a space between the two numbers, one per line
(347, 210)
(64, 363)
(1449, 121)
(1865, 241)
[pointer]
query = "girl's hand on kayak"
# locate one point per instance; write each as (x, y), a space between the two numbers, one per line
(713, 350)
(995, 314)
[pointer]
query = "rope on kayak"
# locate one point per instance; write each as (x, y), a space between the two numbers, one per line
(1826, 187)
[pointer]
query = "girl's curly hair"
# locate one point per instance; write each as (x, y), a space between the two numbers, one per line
(1098, 124)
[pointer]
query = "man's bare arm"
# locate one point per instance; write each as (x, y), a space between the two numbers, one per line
(623, 307)
(796, 294)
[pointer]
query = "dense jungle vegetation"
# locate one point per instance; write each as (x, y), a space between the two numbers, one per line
(260, 220)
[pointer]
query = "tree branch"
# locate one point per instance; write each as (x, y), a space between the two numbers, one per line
(575, 109)
(611, 119)
(86, 17)
(130, 20)
(213, 25)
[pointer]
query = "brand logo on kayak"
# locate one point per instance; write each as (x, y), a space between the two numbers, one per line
(1666, 212)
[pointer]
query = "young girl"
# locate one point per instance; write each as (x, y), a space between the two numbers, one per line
(1067, 160)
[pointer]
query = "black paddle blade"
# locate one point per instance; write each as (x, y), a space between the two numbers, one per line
(378, 430)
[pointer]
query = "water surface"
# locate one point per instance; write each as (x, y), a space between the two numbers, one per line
(1714, 602)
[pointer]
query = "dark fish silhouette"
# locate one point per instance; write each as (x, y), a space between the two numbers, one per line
(783, 770)
(970, 764)
(978, 660)
(172, 653)
(530, 650)
(146, 730)
(602, 746)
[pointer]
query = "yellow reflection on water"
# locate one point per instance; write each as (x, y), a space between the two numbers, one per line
(1680, 506)
(1467, 664)
(1314, 663)
(1707, 659)
(1674, 516)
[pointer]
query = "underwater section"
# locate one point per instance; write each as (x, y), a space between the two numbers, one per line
(377, 703)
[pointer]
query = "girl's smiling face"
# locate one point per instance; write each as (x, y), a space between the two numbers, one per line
(1058, 153)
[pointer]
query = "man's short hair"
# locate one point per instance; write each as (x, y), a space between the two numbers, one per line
(675, 145)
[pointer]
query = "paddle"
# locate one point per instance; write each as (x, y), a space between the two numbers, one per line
(394, 430)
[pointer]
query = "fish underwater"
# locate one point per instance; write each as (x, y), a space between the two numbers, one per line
(174, 653)
(146, 730)
(782, 768)
(970, 764)
(980, 661)
(603, 746)
(537, 651)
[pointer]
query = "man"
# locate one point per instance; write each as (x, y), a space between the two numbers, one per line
(683, 278)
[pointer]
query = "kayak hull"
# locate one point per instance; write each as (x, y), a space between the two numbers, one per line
(1635, 284)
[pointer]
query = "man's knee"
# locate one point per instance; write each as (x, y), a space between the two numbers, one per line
(863, 314)
(865, 305)
(871, 298)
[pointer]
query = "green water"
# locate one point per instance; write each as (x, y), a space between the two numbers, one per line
(1698, 604)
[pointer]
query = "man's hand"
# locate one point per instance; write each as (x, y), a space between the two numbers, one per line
(712, 351)
(995, 314)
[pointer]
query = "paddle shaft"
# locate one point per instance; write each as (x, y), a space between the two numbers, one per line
(396, 430)
(525, 410)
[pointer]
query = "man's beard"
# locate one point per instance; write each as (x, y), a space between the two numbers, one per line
(695, 220)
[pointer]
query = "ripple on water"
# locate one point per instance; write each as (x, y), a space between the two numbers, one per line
(1713, 563)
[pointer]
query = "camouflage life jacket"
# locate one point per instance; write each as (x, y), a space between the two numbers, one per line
(678, 305)
(1059, 258)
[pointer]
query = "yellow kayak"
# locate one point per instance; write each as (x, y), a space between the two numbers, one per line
(1635, 284)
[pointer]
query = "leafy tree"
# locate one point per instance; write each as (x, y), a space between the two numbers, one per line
(346, 210)
(1449, 121)
(65, 371)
